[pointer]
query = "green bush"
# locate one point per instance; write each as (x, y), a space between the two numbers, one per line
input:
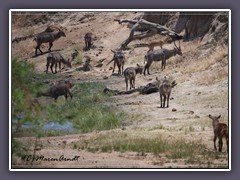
(87, 110)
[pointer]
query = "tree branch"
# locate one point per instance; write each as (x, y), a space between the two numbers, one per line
(153, 28)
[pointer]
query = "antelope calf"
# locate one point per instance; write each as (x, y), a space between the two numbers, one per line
(160, 43)
(130, 74)
(165, 89)
(56, 58)
(220, 131)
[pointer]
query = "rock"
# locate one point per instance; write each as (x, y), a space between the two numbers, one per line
(191, 112)
(173, 110)
(99, 65)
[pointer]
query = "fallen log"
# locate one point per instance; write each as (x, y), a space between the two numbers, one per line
(152, 29)
(148, 89)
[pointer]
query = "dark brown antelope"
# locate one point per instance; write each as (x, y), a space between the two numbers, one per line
(165, 89)
(48, 36)
(59, 89)
(220, 131)
(55, 58)
(160, 55)
(119, 60)
(88, 40)
(130, 74)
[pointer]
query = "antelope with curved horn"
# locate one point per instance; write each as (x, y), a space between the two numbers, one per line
(160, 55)
(48, 36)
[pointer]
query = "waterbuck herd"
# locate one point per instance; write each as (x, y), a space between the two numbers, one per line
(54, 59)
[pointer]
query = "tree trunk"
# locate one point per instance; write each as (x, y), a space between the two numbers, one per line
(153, 28)
(148, 89)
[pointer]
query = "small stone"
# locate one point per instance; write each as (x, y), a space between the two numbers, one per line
(191, 112)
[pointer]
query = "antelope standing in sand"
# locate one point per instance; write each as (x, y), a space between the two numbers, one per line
(48, 36)
(119, 60)
(55, 58)
(130, 74)
(220, 131)
(88, 40)
(160, 55)
(165, 89)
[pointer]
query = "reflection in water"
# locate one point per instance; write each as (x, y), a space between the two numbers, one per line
(59, 127)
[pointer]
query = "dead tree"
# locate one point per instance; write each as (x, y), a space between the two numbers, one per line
(148, 89)
(152, 29)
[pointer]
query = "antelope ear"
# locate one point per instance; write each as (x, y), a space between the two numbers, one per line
(219, 116)
(138, 65)
(174, 83)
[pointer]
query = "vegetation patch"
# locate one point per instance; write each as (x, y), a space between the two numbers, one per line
(123, 142)
(87, 110)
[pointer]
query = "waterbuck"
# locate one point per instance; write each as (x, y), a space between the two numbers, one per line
(59, 89)
(130, 74)
(165, 89)
(160, 55)
(220, 131)
(56, 58)
(47, 36)
(88, 40)
(119, 60)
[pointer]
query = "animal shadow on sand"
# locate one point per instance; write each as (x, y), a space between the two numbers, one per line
(46, 52)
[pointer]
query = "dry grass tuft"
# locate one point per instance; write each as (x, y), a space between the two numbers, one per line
(213, 77)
